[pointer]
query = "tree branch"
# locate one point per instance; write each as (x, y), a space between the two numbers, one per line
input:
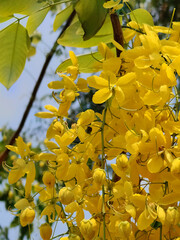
(117, 31)
(49, 56)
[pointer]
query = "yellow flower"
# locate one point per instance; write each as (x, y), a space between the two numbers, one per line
(122, 163)
(27, 216)
(172, 216)
(66, 195)
(124, 229)
(49, 179)
(17, 171)
(147, 216)
(109, 86)
(56, 128)
(73, 237)
(21, 148)
(73, 70)
(50, 211)
(74, 207)
(99, 176)
(114, 4)
(85, 118)
(88, 228)
(45, 231)
(175, 168)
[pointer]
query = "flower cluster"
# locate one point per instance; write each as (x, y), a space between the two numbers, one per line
(137, 135)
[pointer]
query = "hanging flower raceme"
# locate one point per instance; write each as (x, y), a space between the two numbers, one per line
(120, 165)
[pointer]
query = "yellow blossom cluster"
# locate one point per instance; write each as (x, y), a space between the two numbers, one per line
(137, 135)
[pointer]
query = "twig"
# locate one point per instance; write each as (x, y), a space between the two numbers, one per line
(117, 31)
(49, 56)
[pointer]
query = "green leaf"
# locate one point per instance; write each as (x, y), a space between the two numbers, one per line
(13, 48)
(36, 19)
(88, 63)
(105, 34)
(156, 225)
(62, 16)
(141, 16)
(15, 222)
(26, 7)
(92, 15)
(4, 19)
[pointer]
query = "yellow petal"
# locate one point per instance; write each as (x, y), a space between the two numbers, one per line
(47, 157)
(51, 108)
(119, 95)
(143, 62)
(102, 95)
(17, 171)
(126, 79)
(68, 82)
(112, 65)
(97, 82)
(86, 117)
(110, 4)
(155, 164)
(12, 148)
(63, 108)
(131, 210)
(31, 171)
(138, 200)
(56, 84)
(22, 147)
(51, 145)
(72, 207)
(169, 198)
(22, 204)
(73, 58)
(151, 98)
(105, 51)
(117, 45)
(144, 221)
(176, 65)
(49, 211)
(161, 214)
(82, 85)
(128, 189)
(44, 115)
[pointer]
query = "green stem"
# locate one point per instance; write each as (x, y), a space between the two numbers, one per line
(160, 235)
(102, 166)
(177, 103)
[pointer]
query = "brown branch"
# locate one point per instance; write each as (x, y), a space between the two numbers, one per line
(117, 31)
(49, 56)
(118, 37)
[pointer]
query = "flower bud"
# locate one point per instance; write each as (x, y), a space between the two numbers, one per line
(88, 228)
(27, 216)
(122, 163)
(99, 176)
(74, 237)
(58, 127)
(125, 229)
(175, 168)
(66, 195)
(49, 179)
(45, 231)
(10, 194)
(172, 215)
